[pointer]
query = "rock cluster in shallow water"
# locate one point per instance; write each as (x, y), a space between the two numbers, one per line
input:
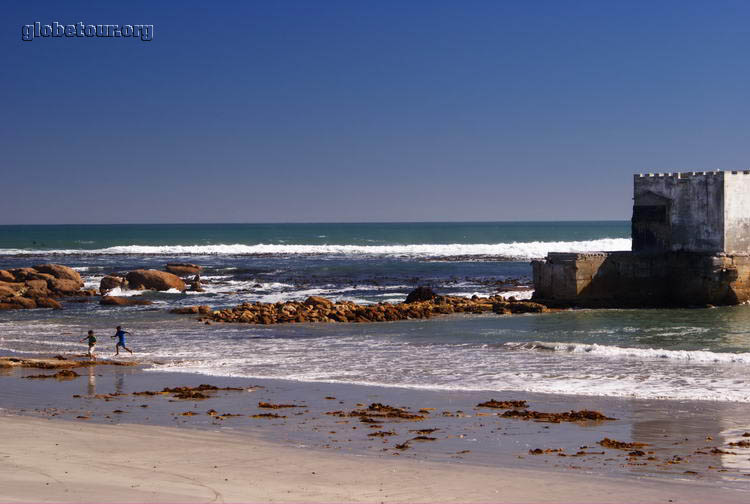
(151, 279)
(38, 287)
(319, 309)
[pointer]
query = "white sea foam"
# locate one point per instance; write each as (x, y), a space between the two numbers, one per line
(518, 294)
(615, 352)
(120, 292)
(533, 366)
(518, 250)
(612, 384)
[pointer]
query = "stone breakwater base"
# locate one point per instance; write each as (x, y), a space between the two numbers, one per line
(632, 280)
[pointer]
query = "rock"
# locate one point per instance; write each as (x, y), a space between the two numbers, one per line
(501, 308)
(195, 285)
(10, 306)
(185, 310)
(41, 276)
(10, 289)
(61, 272)
(45, 302)
(420, 294)
(64, 286)
(23, 274)
(123, 301)
(318, 301)
(183, 269)
(527, 307)
(154, 280)
(23, 302)
(36, 288)
(6, 276)
(111, 282)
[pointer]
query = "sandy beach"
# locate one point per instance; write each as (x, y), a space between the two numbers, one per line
(110, 435)
(62, 461)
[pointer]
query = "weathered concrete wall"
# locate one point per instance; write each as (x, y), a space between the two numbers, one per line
(626, 279)
(678, 212)
(564, 275)
(737, 212)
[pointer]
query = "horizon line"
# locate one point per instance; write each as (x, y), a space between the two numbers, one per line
(308, 222)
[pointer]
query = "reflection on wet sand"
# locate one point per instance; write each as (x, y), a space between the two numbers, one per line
(696, 438)
(91, 383)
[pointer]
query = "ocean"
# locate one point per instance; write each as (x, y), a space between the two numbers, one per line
(696, 354)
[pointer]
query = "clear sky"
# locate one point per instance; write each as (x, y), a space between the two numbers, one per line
(349, 110)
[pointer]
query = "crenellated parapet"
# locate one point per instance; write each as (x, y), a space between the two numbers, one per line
(687, 175)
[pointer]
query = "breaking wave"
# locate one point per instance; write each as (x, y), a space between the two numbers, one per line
(615, 352)
(515, 250)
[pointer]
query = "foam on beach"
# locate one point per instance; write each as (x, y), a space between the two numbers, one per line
(461, 354)
(615, 352)
(564, 368)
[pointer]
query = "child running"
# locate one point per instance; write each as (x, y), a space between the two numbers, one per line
(92, 343)
(120, 335)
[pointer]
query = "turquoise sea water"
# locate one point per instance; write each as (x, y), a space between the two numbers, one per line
(92, 237)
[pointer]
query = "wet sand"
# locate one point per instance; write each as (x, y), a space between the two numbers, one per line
(63, 461)
(466, 453)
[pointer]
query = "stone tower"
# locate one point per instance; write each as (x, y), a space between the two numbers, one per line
(691, 247)
(703, 212)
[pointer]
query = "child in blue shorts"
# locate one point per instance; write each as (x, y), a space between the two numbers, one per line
(120, 335)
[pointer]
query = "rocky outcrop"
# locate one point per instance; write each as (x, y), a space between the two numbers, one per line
(59, 362)
(8, 289)
(420, 294)
(318, 302)
(61, 272)
(23, 302)
(111, 282)
(64, 286)
(192, 310)
(183, 269)
(123, 301)
(26, 288)
(37, 288)
(154, 280)
(317, 309)
(23, 274)
(195, 284)
(43, 302)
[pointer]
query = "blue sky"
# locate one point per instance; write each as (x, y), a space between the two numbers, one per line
(366, 111)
